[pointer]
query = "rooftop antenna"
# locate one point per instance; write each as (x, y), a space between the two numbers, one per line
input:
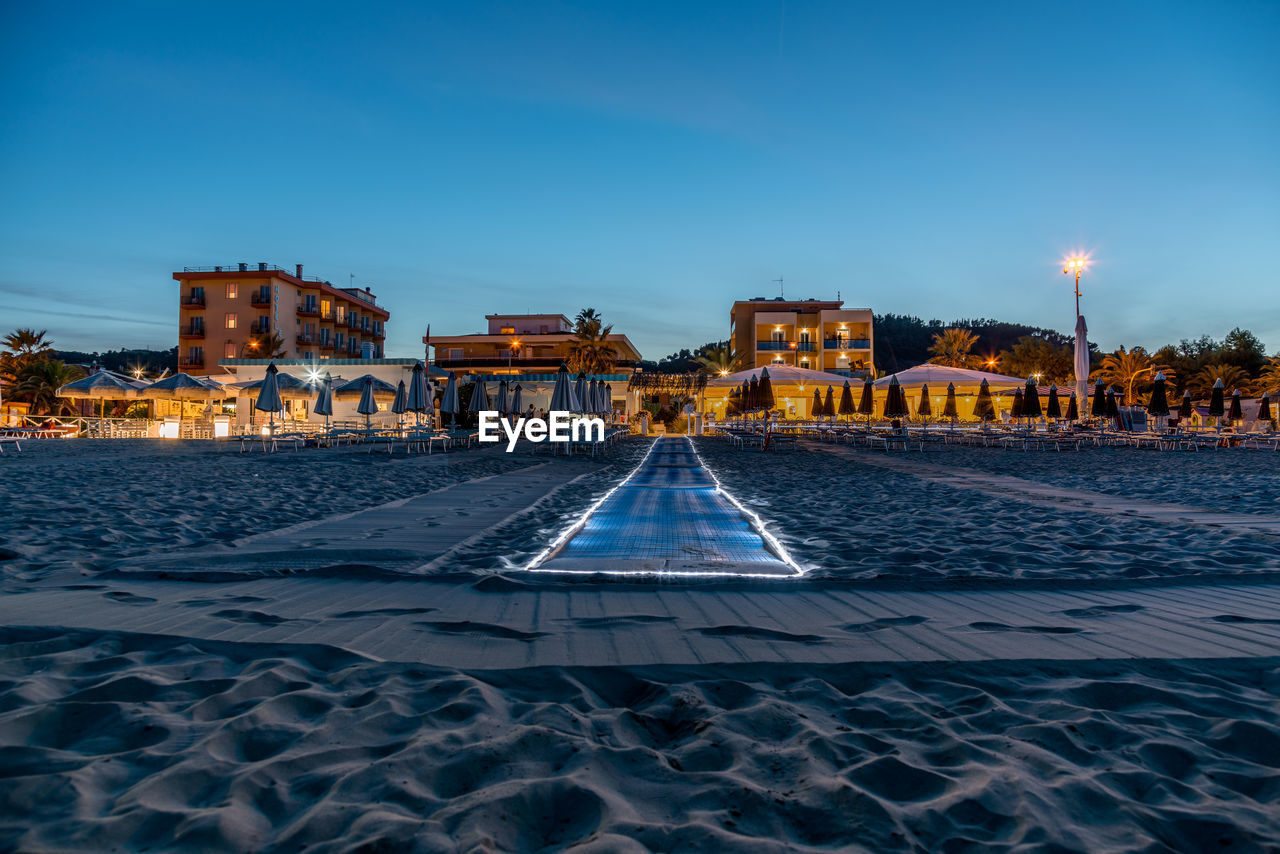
(781, 293)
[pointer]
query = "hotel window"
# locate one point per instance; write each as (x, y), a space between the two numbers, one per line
(231, 320)
(229, 352)
(233, 290)
(779, 336)
(507, 330)
(340, 313)
(326, 308)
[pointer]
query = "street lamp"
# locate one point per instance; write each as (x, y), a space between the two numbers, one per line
(511, 351)
(1075, 266)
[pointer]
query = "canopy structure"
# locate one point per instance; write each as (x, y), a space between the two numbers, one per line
(778, 375)
(288, 386)
(381, 390)
(939, 375)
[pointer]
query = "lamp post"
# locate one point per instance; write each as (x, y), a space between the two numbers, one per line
(1075, 266)
(511, 352)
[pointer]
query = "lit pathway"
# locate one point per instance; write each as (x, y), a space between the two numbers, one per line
(669, 517)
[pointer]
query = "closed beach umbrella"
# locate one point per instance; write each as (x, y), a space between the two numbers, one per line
(324, 400)
(1073, 408)
(562, 393)
(766, 391)
(866, 404)
(449, 400)
(593, 397)
(816, 411)
(983, 408)
(517, 405)
(1081, 358)
(925, 409)
(1184, 408)
(368, 404)
(1099, 407)
(269, 395)
(1053, 409)
(1217, 406)
(418, 398)
(604, 403)
(580, 393)
(1235, 413)
(1031, 401)
(829, 406)
(753, 394)
(846, 400)
(399, 405)
(503, 403)
(949, 408)
(895, 403)
(479, 398)
(1015, 411)
(1264, 407)
(608, 398)
(1113, 410)
(1158, 406)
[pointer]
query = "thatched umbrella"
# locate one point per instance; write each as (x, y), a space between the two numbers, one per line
(816, 411)
(380, 389)
(1031, 401)
(949, 408)
(1158, 406)
(101, 385)
(983, 408)
(1073, 408)
(829, 407)
(846, 400)
(1053, 408)
(1235, 413)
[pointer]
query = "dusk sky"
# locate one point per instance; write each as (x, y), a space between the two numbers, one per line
(653, 160)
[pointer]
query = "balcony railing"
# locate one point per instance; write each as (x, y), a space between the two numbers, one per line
(353, 322)
(190, 362)
(305, 310)
(191, 331)
(303, 338)
(847, 344)
(552, 362)
(326, 345)
(259, 327)
(263, 267)
(193, 302)
(260, 300)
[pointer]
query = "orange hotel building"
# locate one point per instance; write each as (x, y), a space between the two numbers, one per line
(223, 310)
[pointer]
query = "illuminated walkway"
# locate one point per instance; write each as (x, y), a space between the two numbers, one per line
(669, 517)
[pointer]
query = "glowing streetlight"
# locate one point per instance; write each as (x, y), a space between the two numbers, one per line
(512, 348)
(1075, 266)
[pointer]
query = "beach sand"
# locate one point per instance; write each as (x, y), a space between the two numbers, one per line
(212, 726)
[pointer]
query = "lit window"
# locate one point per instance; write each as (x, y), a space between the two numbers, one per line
(507, 330)
(229, 352)
(233, 290)
(231, 320)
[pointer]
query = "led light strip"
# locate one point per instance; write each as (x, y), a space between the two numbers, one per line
(757, 524)
(577, 525)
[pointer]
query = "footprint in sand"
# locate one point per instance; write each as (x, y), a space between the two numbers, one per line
(128, 598)
(755, 633)
(619, 620)
(884, 623)
(1102, 610)
(381, 612)
(1236, 618)
(237, 615)
(480, 630)
(1036, 630)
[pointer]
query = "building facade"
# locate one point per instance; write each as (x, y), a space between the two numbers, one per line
(522, 345)
(821, 335)
(227, 312)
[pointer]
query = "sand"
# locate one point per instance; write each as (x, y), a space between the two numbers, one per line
(482, 708)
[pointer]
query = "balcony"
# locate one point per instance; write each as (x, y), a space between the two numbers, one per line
(500, 363)
(326, 344)
(847, 344)
(190, 361)
(260, 327)
(192, 302)
(378, 333)
(306, 310)
(773, 346)
(260, 300)
(353, 322)
(304, 338)
(194, 330)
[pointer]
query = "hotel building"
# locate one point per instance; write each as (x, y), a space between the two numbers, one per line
(225, 311)
(520, 344)
(820, 335)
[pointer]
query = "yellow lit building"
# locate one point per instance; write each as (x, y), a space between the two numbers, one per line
(520, 345)
(223, 310)
(820, 335)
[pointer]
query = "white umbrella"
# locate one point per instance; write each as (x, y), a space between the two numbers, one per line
(449, 401)
(1082, 359)
(562, 397)
(269, 396)
(368, 405)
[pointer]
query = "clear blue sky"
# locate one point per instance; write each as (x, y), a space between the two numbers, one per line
(653, 160)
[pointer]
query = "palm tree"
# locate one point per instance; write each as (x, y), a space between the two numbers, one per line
(719, 359)
(38, 384)
(590, 349)
(1232, 376)
(1269, 379)
(265, 345)
(951, 347)
(1129, 368)
(27, 344)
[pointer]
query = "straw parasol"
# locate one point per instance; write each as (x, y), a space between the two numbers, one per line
(846, 400)
(183, 387)
(1073, 408)
(983, 408)
(100, 385)
(288, 386)
(1158, 406)
(380, 389)
(1235, 413)
(269, 399)
(368, 404)
(449, 400)
(1053, 408)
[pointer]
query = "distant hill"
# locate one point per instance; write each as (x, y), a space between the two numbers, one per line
(124, 361)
